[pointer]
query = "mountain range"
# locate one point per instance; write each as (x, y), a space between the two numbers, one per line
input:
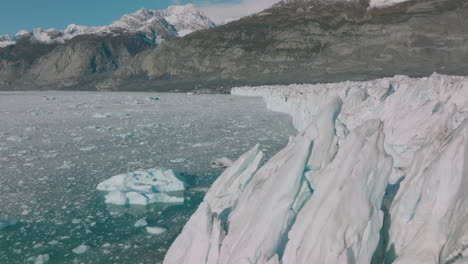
(155, 25)
(295, 41)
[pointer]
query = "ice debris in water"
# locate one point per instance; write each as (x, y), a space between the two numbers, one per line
(41, 259)
(81, 249)
(141, 223)
(221, 163)
(143, 187)
(155, 230)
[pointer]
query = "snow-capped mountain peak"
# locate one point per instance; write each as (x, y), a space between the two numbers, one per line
(187, 19)
(156, 25)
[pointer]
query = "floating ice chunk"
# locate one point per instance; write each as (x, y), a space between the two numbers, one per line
(221, 163)
(53, 242)
(66, 165)
(143, 187)
(81, 249)
(98, 115)
(141, 223)
(148, 181)
(41, 259)
(163, 198)
(155, 230)
(136, 198)
(88, 148)
(116, 197)
(14, 139)
(178, 160)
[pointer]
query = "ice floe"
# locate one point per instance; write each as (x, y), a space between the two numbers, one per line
(41, 259)
(81, 249)
(155, 230)
(141, 223)
(143, 187)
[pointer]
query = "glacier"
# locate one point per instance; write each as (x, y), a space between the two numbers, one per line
(143, 187)
(377, 174)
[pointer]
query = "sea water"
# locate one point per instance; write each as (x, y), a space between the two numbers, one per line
(56, 147)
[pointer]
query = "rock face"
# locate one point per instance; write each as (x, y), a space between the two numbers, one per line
(319, 41)
(82, 58)
(377, 174)
(72, 65)
(295, 41)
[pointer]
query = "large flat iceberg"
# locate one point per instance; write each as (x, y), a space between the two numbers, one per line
(143, 187)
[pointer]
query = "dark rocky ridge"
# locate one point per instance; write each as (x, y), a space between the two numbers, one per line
(76, 64)
(305, 41)
(293, 42)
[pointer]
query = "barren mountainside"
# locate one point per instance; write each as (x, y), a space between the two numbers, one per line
(292, 42)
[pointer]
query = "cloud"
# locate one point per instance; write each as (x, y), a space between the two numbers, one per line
(225, 12)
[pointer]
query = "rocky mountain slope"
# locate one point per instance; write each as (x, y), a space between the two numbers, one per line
(295, 41)
(71, 58)
(318, 41)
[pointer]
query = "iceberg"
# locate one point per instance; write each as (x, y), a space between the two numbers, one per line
(141, 223)
(41, 259)
(377, 174)
(81, 249)
(143, 187)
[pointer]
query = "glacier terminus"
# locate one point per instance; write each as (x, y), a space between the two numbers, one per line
(376, 175)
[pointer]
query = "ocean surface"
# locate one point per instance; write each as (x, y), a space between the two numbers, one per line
(55, 147)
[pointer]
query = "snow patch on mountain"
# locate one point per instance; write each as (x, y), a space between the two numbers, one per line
(156, 25)
(384, 3)
(376, 174)
(187, 19)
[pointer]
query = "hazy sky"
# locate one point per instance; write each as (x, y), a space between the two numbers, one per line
(29, 14)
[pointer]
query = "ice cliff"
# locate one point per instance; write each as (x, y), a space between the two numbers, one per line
(377, 174)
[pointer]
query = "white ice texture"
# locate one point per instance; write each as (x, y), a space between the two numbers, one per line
(143, 187)
(377, 174)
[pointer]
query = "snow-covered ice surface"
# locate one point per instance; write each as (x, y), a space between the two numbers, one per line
(144, 187)
(56, 147)
(378, 174)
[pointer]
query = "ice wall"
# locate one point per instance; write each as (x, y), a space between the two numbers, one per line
(377, 174)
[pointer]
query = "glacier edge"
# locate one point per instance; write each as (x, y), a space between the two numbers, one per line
(321, 198)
